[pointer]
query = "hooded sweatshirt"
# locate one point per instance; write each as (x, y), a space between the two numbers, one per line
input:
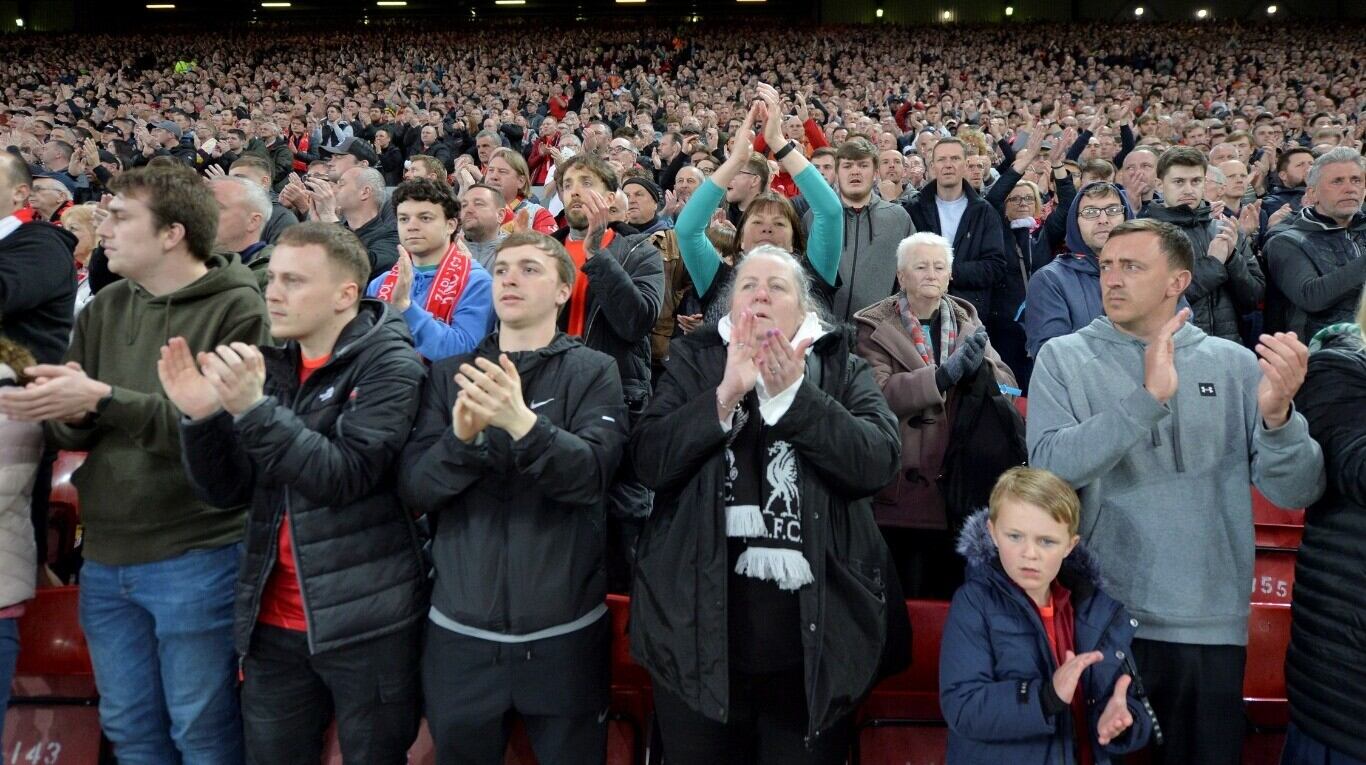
(136, 502)
(1064, 295)
(867, 267)
(1165, 489)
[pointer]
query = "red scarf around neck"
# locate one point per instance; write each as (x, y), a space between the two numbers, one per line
(447, 287)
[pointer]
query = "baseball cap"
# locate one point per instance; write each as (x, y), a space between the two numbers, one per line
(169, 127)
(356, 147)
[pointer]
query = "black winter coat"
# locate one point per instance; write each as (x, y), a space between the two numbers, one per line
(625, 292)
(1219, 293)
(979, 247)
(1317, 270)
(325, 452)
(849, 447)
(1326, 664)
(520, 526)
(38, 289)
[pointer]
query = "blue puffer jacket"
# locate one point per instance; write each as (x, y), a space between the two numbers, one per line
(995, 659)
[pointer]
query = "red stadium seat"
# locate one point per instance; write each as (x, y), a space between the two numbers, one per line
(1276, 527)
(905, 707)
(62, 489)
(1273, 576)
(52, 714)
(64, 516)
(1268, 636)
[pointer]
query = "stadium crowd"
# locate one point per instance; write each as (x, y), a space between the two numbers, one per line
(392, 352)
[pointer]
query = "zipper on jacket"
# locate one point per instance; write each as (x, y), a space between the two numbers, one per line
(269, 565)
(298, 575)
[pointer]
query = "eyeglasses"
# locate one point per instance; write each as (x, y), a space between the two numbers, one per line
(1113, 211)
(1022, 200)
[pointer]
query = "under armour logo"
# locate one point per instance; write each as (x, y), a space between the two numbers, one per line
(1207, 389)
(327, 394)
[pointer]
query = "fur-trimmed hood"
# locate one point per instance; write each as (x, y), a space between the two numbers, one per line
(979, 549)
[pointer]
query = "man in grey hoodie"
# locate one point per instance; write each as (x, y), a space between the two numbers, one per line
(1109, 408)
(873, 228)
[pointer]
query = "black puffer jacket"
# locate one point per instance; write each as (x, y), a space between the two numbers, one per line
(520, 525)
(1326, 664)
(325, 452)
(1219, 293)
(979, 247)
(848, 446)
(1317, 269)
(625, 292)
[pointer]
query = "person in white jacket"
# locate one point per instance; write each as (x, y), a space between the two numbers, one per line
(21, 446)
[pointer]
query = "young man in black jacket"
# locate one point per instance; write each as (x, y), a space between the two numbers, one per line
(332, 586)
(511, 458)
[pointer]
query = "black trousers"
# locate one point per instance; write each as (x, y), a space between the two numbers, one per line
(1197, 693)
(289, 698)
(767, 726)
(559, 686)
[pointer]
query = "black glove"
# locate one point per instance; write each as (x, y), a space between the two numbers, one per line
(963, 361)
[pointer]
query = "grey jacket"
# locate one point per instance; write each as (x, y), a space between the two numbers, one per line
(867, 271)
(485, 252)
(1166, 489)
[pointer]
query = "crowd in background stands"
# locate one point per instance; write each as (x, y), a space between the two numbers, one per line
(940, 198)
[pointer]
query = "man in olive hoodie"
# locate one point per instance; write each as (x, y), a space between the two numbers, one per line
(157, 586)
(1163, 430)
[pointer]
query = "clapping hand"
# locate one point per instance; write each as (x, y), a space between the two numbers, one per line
(1116, 717)
(1284, 361)
(238, 375)
(780, 364)
(1068, 676)
(741, 372)
(493, 394)
(184, 384)
(1159, 360)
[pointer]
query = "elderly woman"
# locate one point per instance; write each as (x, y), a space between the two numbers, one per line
(920, 343)
(763, 592)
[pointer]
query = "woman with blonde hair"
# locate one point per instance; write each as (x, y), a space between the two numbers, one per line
(508, 171)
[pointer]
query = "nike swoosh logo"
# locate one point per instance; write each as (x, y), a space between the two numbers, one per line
(539, 404)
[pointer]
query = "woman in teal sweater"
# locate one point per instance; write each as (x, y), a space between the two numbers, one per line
(769, 219)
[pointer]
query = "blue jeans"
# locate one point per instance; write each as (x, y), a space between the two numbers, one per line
(160, 637)
(9, 656)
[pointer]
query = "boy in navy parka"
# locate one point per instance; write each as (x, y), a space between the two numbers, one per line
(1035, 664)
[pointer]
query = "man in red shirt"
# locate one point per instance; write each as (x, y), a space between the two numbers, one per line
(333, 585)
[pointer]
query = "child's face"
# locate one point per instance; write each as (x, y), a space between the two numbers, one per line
(1032, 546)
